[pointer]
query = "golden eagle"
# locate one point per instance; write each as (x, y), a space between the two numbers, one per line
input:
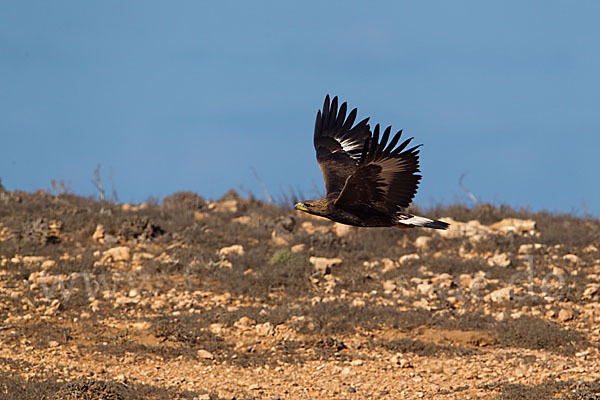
(369, 181)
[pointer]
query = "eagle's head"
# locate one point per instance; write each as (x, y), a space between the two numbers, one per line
(316, 207)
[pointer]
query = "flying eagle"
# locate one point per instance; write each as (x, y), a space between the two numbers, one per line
(369, 182)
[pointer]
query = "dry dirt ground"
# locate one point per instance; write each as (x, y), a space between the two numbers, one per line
(238, 299)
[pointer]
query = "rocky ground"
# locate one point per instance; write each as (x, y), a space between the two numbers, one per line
(238, 299)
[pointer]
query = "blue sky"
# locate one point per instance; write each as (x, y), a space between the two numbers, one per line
(192, 95)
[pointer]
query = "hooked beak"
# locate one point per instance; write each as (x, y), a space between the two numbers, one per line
(301, 207)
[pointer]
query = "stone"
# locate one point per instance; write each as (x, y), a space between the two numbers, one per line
(499, 260)
(388, 265)
(31, 260)
(529, 248)
(265, 329)
(343, 230)
(520, 226)
(501, 295)
(565, 314)
(236, 249)
(205, 354)
(422, 242)
(199, 215)
(48, 264)
(572, 258)
(280, 239)
(244, 323)
(224, 206)
(98, 234)
(244, 220)
(425, 288)
(590, 291)
(477, 283)
(323, 264)
(358, 303)
(409, 257)
(116, 254)
(463, 229)
(298, 248)
(389, 285)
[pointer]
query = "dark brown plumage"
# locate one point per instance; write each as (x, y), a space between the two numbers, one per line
(369, 182)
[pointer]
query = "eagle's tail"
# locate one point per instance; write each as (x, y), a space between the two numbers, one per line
(410, 221)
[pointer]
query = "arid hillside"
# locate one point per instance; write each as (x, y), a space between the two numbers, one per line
(238, 299)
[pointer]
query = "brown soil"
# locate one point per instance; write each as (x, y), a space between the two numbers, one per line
(156, 301)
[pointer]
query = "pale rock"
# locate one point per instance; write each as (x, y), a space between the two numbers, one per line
(30, 260)
(244, 220)
(141, 255)
(116, 254)
(53, 343)
(199, 215)
(265, 329)
(216, 328)
(402, 362)
(98, 234)
(409, 257)
(311, 229)
(565, 314)
(572, 258)
(142, 325)
(126, 207)
(244, 323)
(422, 242)
(95, 305)
(165, 258)
(298, 248)
(590, 249)
(358, 302)
(444, 280)
(205, 354)
(388, 264)
(48, 264)
(280, 239)
(478, 283)
(389, 285)
(224, 206)
(425, 288)
(529, 248)
(591, 291)
(323, 264)
(236, 249)
(463, 229)
(343, 230)
(501, 295)
(499, 260)
(516, 225)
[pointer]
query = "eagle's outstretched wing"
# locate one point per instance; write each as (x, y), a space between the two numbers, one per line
(339, 145)
(386, 178)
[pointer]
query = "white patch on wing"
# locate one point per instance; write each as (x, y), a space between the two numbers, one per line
(413, 220)
(350, 146)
